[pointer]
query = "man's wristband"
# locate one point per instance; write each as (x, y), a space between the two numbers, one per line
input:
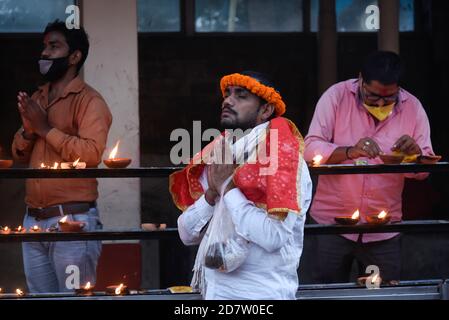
(29, 138)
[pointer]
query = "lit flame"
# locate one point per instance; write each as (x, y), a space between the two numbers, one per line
(382, 215)
(87, 286)
(55, 166)
(19, 292)
(356, 215)
(317, 160)
(114, 151)
(75, 162)
(63, 220)
(19, 228)
(118, 290)
(43, 165)
(5, 229)
(35, 228)
(374, 279)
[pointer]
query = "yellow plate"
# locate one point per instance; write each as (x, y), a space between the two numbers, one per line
(180, 289)
(407, 158)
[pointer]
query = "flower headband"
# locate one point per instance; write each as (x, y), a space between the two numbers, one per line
(269, 94)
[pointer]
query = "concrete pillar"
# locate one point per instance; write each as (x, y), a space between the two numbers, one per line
(112, 69)
(327, 45)
(388, 35)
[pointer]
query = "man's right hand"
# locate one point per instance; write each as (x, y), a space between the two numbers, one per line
(22, 104)
(366, 147)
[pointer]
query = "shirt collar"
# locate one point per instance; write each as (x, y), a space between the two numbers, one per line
(74, 86)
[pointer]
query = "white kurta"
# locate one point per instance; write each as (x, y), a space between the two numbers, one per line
(270, 270)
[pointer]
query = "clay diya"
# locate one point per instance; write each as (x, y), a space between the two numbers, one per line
(4, 164)
(87, 290)
(20, 293)
(73, 165)
(119, 290)
(391, 158)
(70, 226)
(348, 220)
(35, 229)
(153, 226)
(429, 159)
(19, 229)
(114, 162)
(361, 281)
(5, 230)
(379, 219)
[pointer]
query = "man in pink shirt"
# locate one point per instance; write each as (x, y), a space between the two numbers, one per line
(360, 119)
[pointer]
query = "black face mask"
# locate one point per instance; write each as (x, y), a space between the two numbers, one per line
(54, 69)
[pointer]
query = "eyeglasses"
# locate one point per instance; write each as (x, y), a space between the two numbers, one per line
(374, 98)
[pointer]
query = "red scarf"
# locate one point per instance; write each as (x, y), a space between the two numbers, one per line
(277, 193)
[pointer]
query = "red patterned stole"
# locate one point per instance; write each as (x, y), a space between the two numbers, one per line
(278, 192)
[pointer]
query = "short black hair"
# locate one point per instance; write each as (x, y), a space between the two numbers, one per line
(264, 79)
(383, 66)
(77, 39)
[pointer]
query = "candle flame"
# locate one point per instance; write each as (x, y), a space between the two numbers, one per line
(63, 220)
(43, 165)
(374, 279)
(6, 228)
(55, 166)
(35, 228)
(87, 286)
(114, 151)
(19, 228)
(382, 215)
(355, 215)
(118, 290)
(19, 292)
(75, 162)
(317, 160)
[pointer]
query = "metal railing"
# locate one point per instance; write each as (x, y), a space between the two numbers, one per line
(157, 172)
(436, 226)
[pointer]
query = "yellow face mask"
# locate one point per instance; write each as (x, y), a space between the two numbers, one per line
(380, 113)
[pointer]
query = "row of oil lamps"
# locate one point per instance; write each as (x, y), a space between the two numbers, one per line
(377, 219)
(64, 226)
(111, 162)
(87, 290)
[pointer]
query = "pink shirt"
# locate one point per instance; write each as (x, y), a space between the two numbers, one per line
(341, 120)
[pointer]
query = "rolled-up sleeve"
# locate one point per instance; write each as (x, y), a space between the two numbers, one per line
(319, 140)
(94, 124)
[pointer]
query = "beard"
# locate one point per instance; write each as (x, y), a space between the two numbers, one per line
(232, 122)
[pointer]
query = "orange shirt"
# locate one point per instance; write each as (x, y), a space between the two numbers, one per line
(80, 119)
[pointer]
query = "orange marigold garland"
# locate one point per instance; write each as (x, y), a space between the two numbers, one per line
(269, 94)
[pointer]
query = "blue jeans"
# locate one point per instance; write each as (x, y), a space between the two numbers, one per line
(47, 264)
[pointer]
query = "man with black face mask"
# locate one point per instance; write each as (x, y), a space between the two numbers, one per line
(64, 120)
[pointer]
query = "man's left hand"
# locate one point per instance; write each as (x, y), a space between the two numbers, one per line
(407, 145)
(36, 116)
